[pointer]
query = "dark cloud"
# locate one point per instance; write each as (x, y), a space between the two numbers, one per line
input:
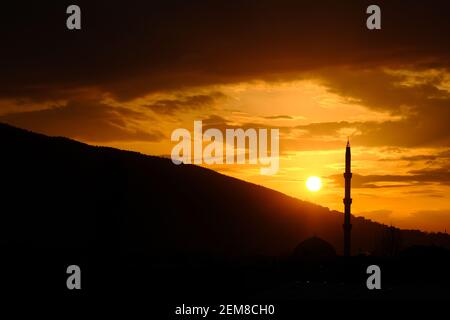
(136, 47)
(215, 121)
(383, 90)
(182, 103)
(418, 100)
(139, 47)
(86, 120)
(412, 131)
(440, 175)
(279, 117)
(423, 108)
(413, 177)
(429, 159)
(222, 124)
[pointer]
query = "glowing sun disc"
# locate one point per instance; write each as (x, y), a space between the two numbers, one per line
(313, 184)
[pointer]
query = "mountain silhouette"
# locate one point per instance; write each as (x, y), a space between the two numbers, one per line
(61, 193)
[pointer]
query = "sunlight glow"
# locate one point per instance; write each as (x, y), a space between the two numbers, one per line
(314, 184)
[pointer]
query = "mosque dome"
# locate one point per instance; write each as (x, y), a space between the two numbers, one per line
(314, 248)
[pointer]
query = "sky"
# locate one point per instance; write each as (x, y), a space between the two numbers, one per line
(137, 70)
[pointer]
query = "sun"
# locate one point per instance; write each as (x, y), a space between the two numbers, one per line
(314, 184)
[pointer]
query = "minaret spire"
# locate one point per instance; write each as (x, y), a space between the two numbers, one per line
(347, 200)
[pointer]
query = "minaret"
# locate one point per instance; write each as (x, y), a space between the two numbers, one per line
(347, 200)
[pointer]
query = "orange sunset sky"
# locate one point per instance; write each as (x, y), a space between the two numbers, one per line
(133, 75)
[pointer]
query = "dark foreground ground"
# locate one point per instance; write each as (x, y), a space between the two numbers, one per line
(165, 283)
